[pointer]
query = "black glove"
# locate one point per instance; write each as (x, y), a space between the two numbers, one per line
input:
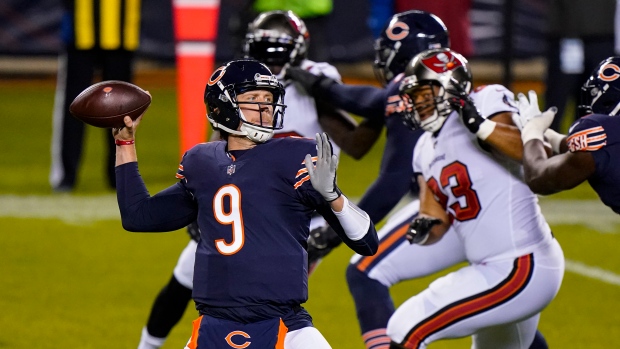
(194, 231)
(463, 103)
(313, 84)
(321, 242)
(419, 229)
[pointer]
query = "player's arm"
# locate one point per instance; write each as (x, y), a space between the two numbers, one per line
(365, 101)
(546, 175)
(505, 137)
(432, 222)
(171, 209)
(497, 131)
(355, 140)
(350, 222)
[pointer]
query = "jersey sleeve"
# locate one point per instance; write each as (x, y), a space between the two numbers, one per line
(586, 134)
(493, 99)
(168, 210)
(322, 69)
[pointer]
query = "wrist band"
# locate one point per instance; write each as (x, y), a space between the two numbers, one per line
(119, 142)
(555, 139)
(486, 128)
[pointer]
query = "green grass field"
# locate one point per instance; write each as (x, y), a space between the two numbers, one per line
(73, 278)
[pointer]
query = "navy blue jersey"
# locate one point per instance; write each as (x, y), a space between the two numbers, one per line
(257, 213)
(396, 173)
(600, 135)
(254, 214)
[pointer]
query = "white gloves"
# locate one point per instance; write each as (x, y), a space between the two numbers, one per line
(532, 123)
(323, 175)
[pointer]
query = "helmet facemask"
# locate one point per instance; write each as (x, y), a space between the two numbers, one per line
(601, 92)
(600, 99)
(431, 79)
(277, 38)
(274, 48)
(436, 98)
(271, 117)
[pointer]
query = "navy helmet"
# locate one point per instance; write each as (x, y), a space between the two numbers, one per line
(277, 38)
(443, 68)
(601, 92)
(404, 36)
(233, 79)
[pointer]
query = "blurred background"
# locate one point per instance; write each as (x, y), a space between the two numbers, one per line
(501, 30)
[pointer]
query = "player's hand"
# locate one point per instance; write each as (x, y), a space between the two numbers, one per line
(531, 120)
(323, 175)
(310, 82)
(420, 229)
(463, 103)
(193, 231)
(128, 132)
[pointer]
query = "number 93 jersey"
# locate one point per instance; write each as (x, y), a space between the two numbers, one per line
(254, 213)
(490, 207)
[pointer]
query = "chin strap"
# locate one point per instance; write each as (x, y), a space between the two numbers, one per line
(255, 133)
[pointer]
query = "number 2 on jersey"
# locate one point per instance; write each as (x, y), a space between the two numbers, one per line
(462, 188)
(229, 216)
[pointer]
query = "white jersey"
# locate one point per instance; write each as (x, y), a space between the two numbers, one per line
(301, 117)
(492, 210)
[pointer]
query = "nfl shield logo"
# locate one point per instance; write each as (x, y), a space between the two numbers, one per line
(230, 170)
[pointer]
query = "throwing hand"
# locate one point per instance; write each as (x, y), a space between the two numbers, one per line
(323, 175)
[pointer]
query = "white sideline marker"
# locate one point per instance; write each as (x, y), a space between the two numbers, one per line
(595, 273)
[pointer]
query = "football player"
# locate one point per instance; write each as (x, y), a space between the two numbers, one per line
(588, 151)
(280, 40)
(369, 278)
(253, 198)
(471, 187)
(404, 36)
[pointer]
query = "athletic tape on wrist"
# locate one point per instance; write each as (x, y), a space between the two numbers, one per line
(486, 128)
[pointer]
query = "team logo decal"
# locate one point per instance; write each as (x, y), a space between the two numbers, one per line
(229, 339)
(217, 75)
(609, 72)
(397, 31)
(442, 62)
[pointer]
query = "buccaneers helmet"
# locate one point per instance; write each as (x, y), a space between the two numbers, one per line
(233, 79)
(404, 36)
(441, 68)
(601, 92)
(277, 38)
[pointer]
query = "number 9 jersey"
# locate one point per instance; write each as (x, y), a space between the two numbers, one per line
(254, 213)
(492, 210)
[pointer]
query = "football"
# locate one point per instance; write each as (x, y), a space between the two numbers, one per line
(105, 104)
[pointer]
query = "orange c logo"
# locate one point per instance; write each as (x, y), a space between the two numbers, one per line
(404, 31)
(238, 333)
(217, 75)
(615, 75)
